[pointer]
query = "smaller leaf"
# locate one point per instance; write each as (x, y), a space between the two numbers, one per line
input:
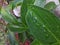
(50, 5)
(9, 17)
(15, 28)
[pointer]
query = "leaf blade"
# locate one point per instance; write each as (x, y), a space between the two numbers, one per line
(43, 20)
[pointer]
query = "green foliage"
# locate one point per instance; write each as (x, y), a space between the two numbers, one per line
(16, 28)
(43, 25)
(8, 17)
(50, 6)
(24, 9)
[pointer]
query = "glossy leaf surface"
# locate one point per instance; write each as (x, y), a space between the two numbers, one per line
(43, 25)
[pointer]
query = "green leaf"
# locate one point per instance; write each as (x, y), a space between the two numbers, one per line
(11, 37)
(14, 4)
(16, 28)
(50, 6)
(24, 9)
(36, 42)
(43, 25)
(40, 3)
(8, 17)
